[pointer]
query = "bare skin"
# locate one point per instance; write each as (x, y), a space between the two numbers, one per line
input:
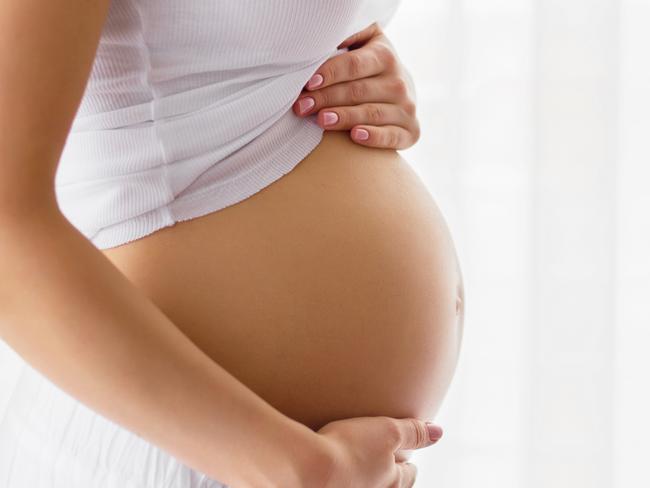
(332, 293)
(70, 312)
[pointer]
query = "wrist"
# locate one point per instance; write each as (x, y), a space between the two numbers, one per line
(289, 455)
(314, 459)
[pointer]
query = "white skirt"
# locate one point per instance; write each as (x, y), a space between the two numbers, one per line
(48, 439)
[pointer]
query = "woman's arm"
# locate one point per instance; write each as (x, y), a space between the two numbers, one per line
(69, 312)
(73, 316)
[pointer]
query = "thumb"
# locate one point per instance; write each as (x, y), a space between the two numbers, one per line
(415, 433)
(361, 37)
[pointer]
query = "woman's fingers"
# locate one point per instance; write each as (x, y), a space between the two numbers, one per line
(344, 118)
(368, 449)
(405, 475)
(374, 89)
(352, 65)
(403, 455)
(381, 125)
(386, 136)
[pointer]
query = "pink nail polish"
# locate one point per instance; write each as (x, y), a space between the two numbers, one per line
(435, 432)
(315, 81)
(361, 134)
(330, 118)
(305, 104)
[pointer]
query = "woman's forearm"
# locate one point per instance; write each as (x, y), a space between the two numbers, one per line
(70, 313)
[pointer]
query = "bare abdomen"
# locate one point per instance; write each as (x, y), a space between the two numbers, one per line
(332, 293)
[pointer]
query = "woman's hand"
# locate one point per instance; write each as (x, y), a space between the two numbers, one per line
(366, 90)
(368, 452)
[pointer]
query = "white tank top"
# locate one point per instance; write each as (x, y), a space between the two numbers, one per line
(187, 109)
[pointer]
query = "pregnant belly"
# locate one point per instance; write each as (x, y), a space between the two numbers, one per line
(332, 293)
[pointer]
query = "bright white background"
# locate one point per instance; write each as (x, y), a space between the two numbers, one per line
(535, 143)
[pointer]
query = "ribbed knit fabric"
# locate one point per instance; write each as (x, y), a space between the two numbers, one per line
(187, 109)
(48, 439)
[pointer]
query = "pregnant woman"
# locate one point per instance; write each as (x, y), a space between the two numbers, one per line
(215, 264)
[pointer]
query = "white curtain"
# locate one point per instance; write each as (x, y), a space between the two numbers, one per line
(535, 143)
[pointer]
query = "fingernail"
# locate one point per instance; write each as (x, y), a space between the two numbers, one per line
(435, 432)
(330, 118)
(315, 81)
(361, 134)
(305, 104)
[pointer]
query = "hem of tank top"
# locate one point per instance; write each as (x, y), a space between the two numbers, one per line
(304, 139)
(237, 189)
(284, 160)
